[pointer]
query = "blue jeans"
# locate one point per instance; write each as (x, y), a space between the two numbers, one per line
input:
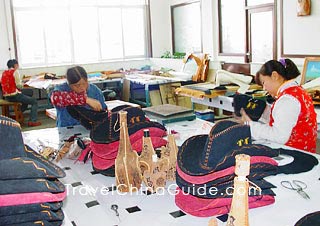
(25, 98)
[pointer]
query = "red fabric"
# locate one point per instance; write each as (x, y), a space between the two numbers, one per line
(304, 133)
(228, 171)
(30, 198)
(104, 155)
(213, 207)
(84, 153)
(102, 163)
(8, 83)
(104, 150)
(67, 98)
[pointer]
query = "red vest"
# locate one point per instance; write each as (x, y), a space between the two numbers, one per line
(304, 133)
(8, 83)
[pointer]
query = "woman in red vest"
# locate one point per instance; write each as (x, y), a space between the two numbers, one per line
(292, 120)
(11, 83)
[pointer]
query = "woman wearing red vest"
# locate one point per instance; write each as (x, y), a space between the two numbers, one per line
(11, 83)
(292, 120)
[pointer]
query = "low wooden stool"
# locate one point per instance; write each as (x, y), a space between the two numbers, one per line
(18, 115)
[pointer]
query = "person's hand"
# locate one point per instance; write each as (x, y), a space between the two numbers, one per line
(94, 104)
(245, 119)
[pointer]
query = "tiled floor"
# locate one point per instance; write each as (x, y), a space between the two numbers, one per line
(45, 120)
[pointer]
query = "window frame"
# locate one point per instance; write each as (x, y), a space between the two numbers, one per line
(262, 8)
(248, 10)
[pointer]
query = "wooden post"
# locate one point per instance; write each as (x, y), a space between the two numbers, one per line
(154, 172)
(127, 171)
(145, 159)
(170, 152)
(213, 222)
(156, 177)
(238, 215)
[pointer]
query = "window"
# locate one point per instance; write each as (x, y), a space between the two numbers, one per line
(50, 32)
(186, 27)
(261, 37)
(232, 31)
(247, 29)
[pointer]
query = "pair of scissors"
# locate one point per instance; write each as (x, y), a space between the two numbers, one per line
(297, 186)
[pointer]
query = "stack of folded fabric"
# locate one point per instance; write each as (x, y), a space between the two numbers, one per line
(205, 170)
(30, 192)
(105, 133)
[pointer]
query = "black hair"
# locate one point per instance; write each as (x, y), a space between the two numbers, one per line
(11, 63)
(75, 74)
(285, 68)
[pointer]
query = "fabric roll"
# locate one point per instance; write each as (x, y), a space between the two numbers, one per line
(224, 189)
(46, 215)
(105, 128)
(107, 151)
(257, 171)
(212, 207)
(24, 168)
(30, 153)
(39, 222)
(30, 185)
(10, 138)
(104, 155)
(29, 208)
(31, 198)
(222, 173)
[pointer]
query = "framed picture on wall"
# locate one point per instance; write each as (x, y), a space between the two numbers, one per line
(311, 69)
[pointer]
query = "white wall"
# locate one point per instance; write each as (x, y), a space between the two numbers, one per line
(175, 64)
(5, 53)
(207, 26)
(301, 33)
(61, 70)
(160, 27)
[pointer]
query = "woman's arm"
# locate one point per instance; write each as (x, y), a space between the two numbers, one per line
(96, 93)
(18, 79)
(265, 117)
(285, 114)
(67, 98)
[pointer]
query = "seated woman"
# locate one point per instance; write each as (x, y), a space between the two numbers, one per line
(293, 120)
(12, 89)
(76, 91)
